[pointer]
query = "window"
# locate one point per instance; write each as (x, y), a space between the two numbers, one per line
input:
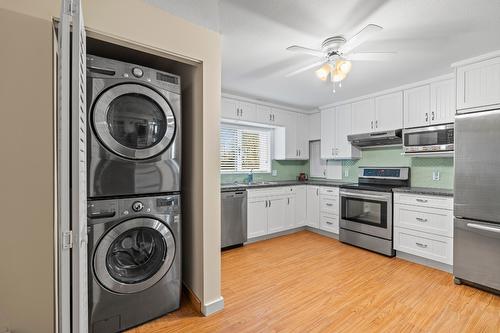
(244, 149)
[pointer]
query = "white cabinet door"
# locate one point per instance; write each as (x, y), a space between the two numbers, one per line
(314, 126)
(443, 102)
(389, 112)
(363, 116)
(478, 85)
(313, 206)
(328, 134)
(329, 222)
(289, 121)
(300, 206)
(230, 109)
(343, 148)
(290, 212)
(417, 106)
(248, 111)
(302, 136)
(257, 217)
(276, 212)
(278, 116)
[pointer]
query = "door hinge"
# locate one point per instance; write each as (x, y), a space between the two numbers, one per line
(67, 239)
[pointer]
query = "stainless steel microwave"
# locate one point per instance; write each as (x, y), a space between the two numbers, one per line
(429, 139)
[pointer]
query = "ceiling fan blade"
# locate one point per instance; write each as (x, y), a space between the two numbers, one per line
(305, 68)
(360, 38)
(370, 56)
(305, 50)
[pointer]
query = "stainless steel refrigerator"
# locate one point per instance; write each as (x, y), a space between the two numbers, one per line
(476, 256)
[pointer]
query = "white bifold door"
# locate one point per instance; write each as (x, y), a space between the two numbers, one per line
(71, 171)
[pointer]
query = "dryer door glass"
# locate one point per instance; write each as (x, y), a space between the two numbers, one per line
(136, 255)
(136, 121)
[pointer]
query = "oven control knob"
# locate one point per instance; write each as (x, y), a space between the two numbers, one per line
(137, 206)
(137, 72)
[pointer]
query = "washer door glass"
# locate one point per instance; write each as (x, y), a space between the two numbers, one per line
(134, 121)
(134, 255)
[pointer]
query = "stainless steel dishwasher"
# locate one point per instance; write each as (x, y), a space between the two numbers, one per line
(234, 217)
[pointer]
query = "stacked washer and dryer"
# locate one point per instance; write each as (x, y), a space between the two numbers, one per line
(134, 215)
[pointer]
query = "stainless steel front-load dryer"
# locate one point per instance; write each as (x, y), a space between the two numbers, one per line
(134, 132)
(134, 261)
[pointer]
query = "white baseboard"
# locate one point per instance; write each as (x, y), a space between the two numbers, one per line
(424, 261)
(213, 307)
(323, 232)
(276, 234)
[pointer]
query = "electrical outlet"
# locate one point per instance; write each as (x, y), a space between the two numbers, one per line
(274, 173)
(346, 173)
(436, 175)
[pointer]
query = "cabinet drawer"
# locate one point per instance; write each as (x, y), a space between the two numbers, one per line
(332, 191)
(329, 204)
(432, 220)
(425, 245)
(432, 201)
(329, 223)
(266, 192)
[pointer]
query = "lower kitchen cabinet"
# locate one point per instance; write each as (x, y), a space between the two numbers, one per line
(257, 217)
(313, 206)
(275, 209)
(329, 222)
(423, 226)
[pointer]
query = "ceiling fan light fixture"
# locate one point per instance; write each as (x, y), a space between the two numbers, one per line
(343, 66)
(323, 71)
(337, 76)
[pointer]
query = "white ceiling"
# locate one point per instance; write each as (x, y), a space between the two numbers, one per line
(428, 35)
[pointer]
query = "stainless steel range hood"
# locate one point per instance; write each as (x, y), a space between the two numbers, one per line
(377, 139)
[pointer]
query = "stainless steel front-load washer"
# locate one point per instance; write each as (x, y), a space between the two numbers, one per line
(134, 261)
(134, 132)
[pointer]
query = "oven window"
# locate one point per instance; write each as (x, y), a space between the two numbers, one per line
(422, 139)
(365, 211)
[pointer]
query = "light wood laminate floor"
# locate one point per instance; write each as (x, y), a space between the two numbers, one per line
(306, 282)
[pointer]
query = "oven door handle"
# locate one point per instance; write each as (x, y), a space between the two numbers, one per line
(367, 196)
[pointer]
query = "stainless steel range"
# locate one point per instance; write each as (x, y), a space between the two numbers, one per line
(366, 208)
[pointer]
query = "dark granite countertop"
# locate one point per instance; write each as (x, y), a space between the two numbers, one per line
(233, 186)
(425, 191)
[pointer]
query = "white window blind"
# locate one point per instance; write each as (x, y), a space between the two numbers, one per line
(244, 149)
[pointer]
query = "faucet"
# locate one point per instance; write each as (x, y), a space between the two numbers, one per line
(250, 177)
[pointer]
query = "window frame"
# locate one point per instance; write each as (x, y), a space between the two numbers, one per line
(242, 127)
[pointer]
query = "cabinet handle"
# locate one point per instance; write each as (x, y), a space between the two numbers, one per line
(372, 124)
(432, 113)
(270, 203)
(426, 116)
(376, 123)
(270, 117)
(422, 200)
(317, 191)
(273, 117)
(288, 200)
(241, 112)
(421, 245)
(329, 204)
(329, 222)
(299, 152)
(266, 203)
(419, 219)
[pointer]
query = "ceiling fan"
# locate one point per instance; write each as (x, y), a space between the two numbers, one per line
(336, 55)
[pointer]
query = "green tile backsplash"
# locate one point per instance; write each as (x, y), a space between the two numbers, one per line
(421, 168)
(287, 170)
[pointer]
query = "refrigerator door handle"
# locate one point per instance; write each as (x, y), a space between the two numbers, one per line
(483, 227)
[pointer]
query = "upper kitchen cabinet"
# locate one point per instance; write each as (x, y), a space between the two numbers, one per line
(237, 110)
(363, 116)
(343, 125)
(271, 115)
(478, 83)
(417, 106)
(291, 138)
(314, 126)
(443, 102)
(389, 112)
(328, 134)
(335, 127)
